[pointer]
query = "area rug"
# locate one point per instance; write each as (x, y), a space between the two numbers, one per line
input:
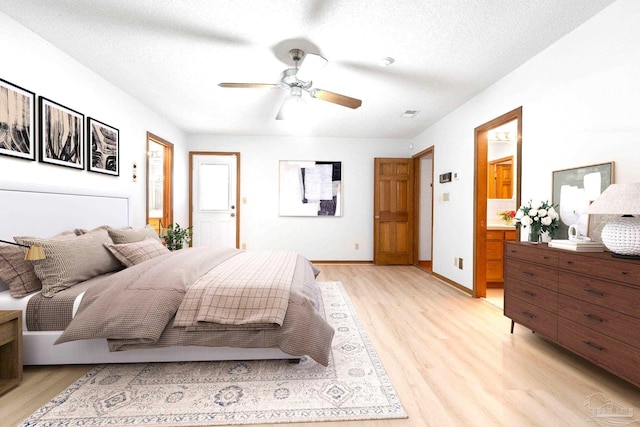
(354, 386)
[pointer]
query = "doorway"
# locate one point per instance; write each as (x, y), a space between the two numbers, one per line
(423, 170)
(482, 205)
(214, 192)
(159, 182)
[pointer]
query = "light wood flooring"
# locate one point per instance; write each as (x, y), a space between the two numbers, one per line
(450, 357)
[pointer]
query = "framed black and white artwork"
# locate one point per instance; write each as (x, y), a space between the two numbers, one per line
(61, 135)
(17, 121)
(573, 190)
(310, 188)
(103, 148)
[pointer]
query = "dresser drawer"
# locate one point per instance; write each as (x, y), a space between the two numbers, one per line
(612, 323)
(536, 274)
(613, 355)
(625, 299)
(532, 253)
(532, 294)
(495, 235)
(533, 317)
(494, 250)
(495, 271)
(604, 265)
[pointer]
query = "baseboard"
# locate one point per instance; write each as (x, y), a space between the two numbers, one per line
(340, 262)
(454, 284)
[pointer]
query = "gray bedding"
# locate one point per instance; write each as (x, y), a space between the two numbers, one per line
(136, 307)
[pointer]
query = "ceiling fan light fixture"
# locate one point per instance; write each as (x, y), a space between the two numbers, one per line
(386, 61)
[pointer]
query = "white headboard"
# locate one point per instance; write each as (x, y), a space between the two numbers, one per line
(44, 211)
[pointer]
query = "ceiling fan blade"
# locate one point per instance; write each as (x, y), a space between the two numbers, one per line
(310, 64)
(336, 98)
(249, 85)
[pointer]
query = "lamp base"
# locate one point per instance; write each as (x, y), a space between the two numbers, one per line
(615, 255)
(622, 236)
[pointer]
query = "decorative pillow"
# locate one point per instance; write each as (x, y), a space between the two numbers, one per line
(71, 260)
(128, 235)
(134, 253)
(17, 273)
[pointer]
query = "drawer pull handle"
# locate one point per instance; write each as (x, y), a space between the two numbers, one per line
(624, 273)
(569, 262)
(529, 293)
(592, 317)
(592, 345)
(529, 315)
(527, 273)
(546, 257)
(592, 292)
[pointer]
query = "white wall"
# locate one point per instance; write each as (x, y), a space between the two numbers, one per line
(34, 64)
(317, 238)
(581, 106)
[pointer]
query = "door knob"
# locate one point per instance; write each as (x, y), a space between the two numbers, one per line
(233, 207)
(233, 214)
(377, 216)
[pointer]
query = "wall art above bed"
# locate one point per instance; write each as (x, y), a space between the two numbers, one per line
(17, 121)
(103, 148)
(61, 135)
(310, 188)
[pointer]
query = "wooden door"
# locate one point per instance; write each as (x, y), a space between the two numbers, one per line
(393, 220)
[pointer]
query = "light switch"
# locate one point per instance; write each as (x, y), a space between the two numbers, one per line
(445, 197)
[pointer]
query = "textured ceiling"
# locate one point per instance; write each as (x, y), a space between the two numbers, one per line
(171, 55)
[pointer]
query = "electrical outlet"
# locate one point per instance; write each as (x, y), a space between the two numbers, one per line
(244, 246)
(460, 263)
(357, 246)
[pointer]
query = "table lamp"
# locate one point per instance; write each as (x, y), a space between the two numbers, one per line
(34, 252)
(621, 235)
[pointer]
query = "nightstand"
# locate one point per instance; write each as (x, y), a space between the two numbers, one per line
(10, 349)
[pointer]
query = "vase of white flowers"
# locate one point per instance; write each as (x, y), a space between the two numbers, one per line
(540, 217)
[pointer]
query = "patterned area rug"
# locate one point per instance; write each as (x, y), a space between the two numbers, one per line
(354, 386)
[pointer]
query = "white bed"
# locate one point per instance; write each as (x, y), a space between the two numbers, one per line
(44, 211)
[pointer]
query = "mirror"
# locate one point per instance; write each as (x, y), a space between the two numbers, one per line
(159, 182)
(501, 161)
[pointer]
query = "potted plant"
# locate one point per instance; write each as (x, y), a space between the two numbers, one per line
(175, 237)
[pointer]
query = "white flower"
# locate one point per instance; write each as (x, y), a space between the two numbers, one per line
(542, 212)
(526, 220)
(553, 214)
(519, 214)
(533, 212)
(546, 220)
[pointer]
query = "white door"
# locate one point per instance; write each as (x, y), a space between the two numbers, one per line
(214, 199)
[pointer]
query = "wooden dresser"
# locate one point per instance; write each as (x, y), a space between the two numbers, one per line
(10, 349)
(588, 303)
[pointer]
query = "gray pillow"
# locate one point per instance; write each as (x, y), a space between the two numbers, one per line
(134, 253)
(17, 274)
(128, 235)
(70, 261)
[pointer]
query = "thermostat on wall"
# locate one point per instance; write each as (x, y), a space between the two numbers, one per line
(445, 177)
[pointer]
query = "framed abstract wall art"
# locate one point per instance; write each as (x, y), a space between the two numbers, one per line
(310, 188)
(17, 121)
(103, 148)
(573, 190)
(61, 135)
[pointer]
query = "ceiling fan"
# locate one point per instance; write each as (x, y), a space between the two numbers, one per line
(297, 80)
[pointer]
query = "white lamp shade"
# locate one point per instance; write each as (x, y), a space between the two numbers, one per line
(622, 235)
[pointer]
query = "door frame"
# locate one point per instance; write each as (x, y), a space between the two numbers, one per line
(417, 206)
(216, 153)
(481, 139)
